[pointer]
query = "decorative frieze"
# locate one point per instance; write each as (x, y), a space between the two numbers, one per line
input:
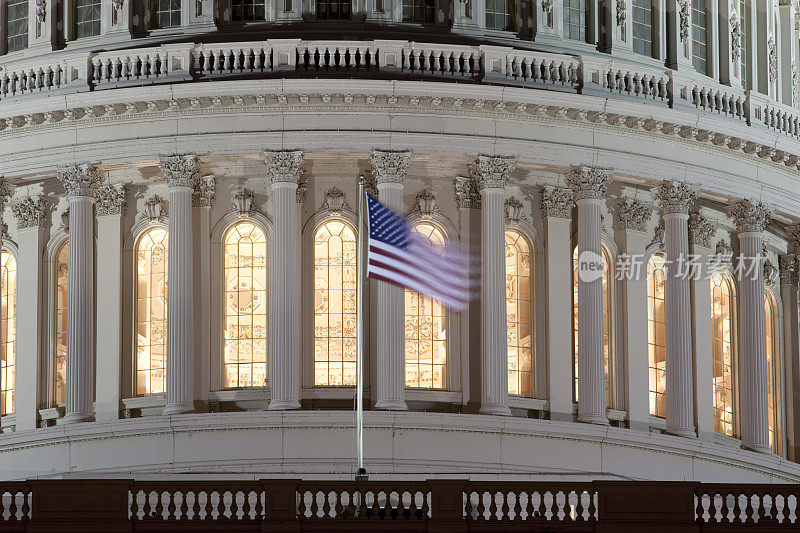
(701, 230)
(390, 166)
(80, 180)
(205, 188)
(242, 202)
(557, 202)
(179, 170)
(425, 203)
(749, 216)
(514, 210)
(31, 212)
(284, 166)
(588, 182)
(467, 194)
(155, 209)
(633, 214)
(492, 171)
(335, 200)
(110, 200)
(675, 197)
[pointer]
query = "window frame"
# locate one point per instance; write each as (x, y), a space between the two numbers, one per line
(734, 341)
(54, 247)
(654, 253)
(73, 21)
(11, 248)
(779, 367)
(525, 233)
(4, 49)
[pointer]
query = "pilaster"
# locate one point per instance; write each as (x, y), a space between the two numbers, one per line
(701, 231)
(788, 265)
(202, 202)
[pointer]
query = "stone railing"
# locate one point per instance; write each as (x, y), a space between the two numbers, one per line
(592, 75)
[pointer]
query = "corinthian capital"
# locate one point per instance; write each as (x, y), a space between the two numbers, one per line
(390, 167)
(633, 214)
(492, 172)
(284, 166)
(179, 170)
(787, 265)
(31, 212)
(80, 180)
(749, 216)
(466, 191)
(557, 202)
(588, 182)
(701, 230)
(6, 191)
(675, 197)
(110, 200)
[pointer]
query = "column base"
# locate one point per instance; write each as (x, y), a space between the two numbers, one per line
(758, 448)
(283, 405)
(75, 418)
(391, 405)
(687, 433)
(600, 420)
(178, 409)
(497, 410)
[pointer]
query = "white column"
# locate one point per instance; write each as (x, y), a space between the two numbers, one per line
(676, 199)
(751, 219)
(791, 351)
(284, 169)
(390, 169)
(109, 209)
(32, 215)
(588, 185)
(80, 182)
(181, 174)
(557, 205)
(491, 174)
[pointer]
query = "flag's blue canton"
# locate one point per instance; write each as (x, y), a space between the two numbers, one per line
(386, 226)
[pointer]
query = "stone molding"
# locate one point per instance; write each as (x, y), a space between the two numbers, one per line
(31, 212)
(80, 180)
(588, 183)
(675, 197)
(284, 166)
(633, 214)
(179, 170)
(750, 216)
(390, 166)
(110, 200)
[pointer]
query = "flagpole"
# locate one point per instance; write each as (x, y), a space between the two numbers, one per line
(361, 474)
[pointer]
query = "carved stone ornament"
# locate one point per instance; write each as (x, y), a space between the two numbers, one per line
(675, 197)
(425, 203)
(466, 191)
(80, 180)
(31, 212)
(736, 38)
(492, 172)
(155, 209)
(547, 6)
(557, 202)
(724, 250)
(588, 182)
(683, 10)
(770, 273)
(772, 56)
(302, 189)
(179, 170)
(701, 230)
(284, 166)
(110, 200)
(242, 202)
(205, 188)
(787, 265)
(795, 88)
(658, 235)
(749, 216)
(65, 220)
(117, 4)
(633, 214)
(335, 200)
(514, 211)
(622, 14)
(6, 192)
(389, 166)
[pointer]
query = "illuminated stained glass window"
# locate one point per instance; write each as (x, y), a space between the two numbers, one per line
(656, 340)
(722, 351)
(60, 328)
(607, 321)
(519, 293)
(151, 311)
(773, 372)
(245, 333)
(8, 330)
(426, 323)
(335, 283)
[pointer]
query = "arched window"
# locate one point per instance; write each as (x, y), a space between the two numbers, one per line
(745, 23)
(87, 18)
(519, 295)
(8, 330)
(575, 19)
(700, 36)
(335, 283)
(722, 307)
(773, 371)
(656, 340)
(426, 329)
(151, 311)
(16, 17)
(608, 318)
(165, 14)
(59, 355)
(500, 15)
(642, 26)
(245, 285)
(248, 10)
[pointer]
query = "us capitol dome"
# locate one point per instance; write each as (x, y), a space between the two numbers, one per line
(179, 235)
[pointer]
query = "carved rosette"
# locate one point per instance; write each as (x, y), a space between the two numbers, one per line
(110, 200)
(588, 183)
(633, 214)
(514, 210)
(284, 166)
(675, 197)
(787, 266)
(701, 230)
(750, 216)
(80, 180)
(242, 202)
(466, 191)
(557, 202)
(492, 172)
(31, 212)
(389, 166)
(335, 200)
(205, 188)
(179, 170)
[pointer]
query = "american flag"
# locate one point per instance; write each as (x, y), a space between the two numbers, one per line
(399, 256)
